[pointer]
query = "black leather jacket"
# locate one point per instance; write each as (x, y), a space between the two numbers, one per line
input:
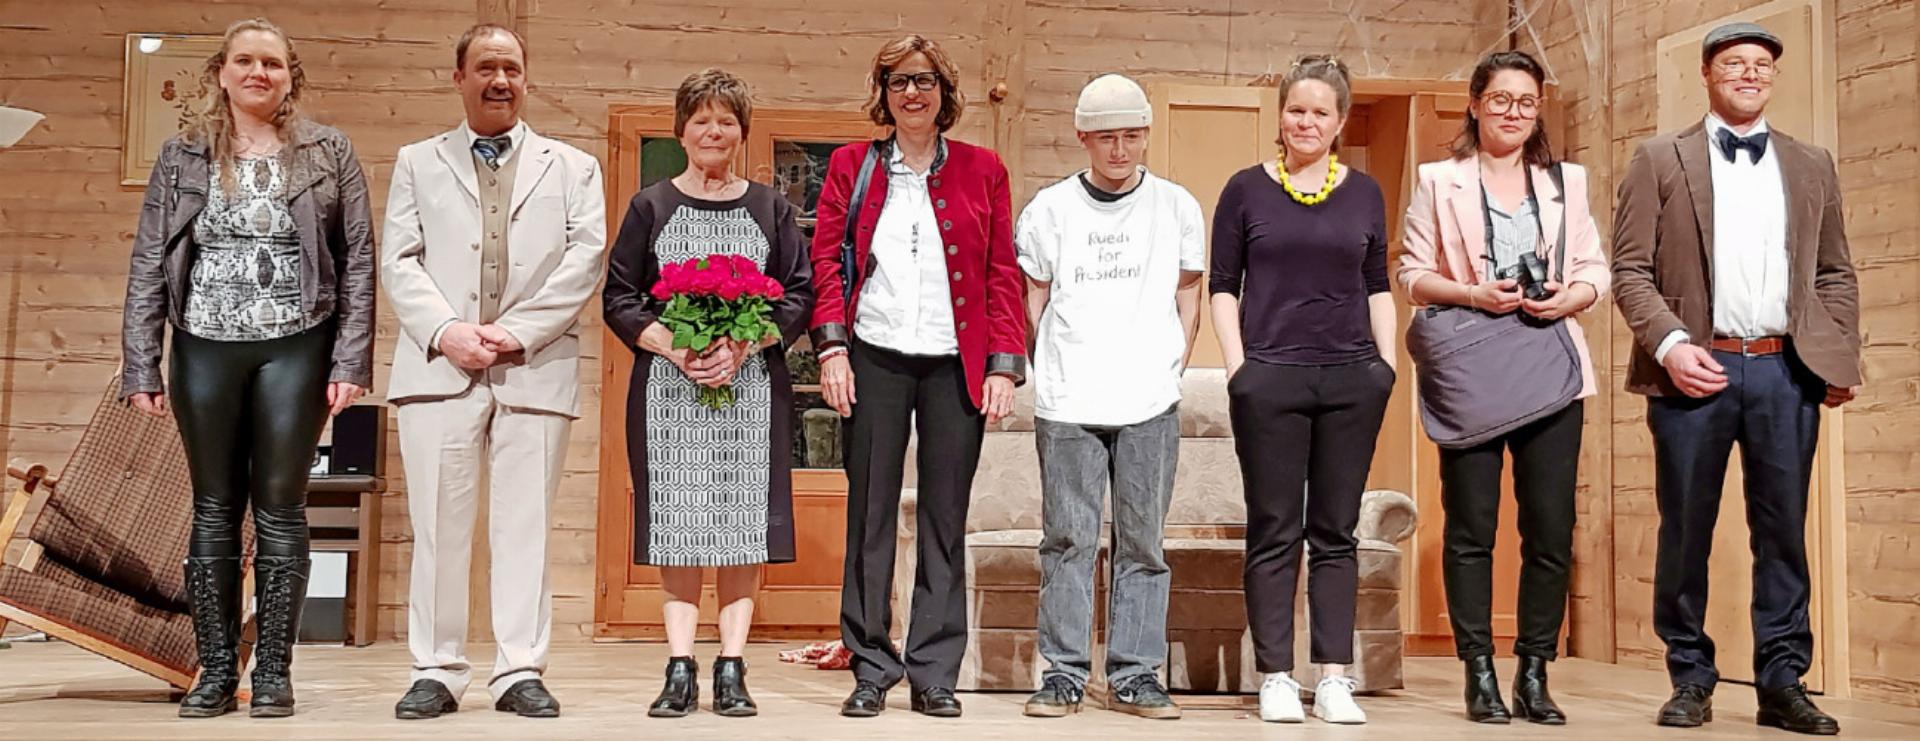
(330, 209)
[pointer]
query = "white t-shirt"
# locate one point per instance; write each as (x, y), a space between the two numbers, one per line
(1110, 345)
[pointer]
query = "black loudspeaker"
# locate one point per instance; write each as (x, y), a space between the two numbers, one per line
(359, 441)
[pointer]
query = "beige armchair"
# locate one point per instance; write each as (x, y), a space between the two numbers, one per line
(1210, 649)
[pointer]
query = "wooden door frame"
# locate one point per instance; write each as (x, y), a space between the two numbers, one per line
(628, 123)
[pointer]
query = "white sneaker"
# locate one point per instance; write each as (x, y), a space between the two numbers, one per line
(1333, 702)
(1280, 700)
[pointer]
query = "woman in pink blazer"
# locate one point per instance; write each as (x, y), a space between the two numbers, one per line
(1501, 176)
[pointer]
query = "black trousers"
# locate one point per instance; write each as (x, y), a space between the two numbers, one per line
(1304, 436)
(1771, 409)
(250, 416)
(897, 395)
(1546, 456)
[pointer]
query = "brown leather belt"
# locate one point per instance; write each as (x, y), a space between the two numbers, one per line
(1751, 346)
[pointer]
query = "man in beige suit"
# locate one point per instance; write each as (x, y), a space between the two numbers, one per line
(495, 239)
(1731, 266)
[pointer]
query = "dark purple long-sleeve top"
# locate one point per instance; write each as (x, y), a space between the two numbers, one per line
(1303, 273)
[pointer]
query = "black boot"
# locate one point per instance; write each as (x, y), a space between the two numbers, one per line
(730, 696)
(213, 587)
(1531, 701)
(1483, 692)
(681, 695)
(280, 582)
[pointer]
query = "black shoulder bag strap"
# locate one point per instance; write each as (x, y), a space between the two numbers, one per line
(849, 241)
(1558, 173)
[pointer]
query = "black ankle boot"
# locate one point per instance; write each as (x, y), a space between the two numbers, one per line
(730, 696)
(213, 588)
(1483, 692)
(281, 585)
(1530, 698)
(681, 695)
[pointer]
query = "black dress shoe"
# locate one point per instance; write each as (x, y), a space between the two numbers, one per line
(425, 699)
(681, 694)
(1789, 708)
(528, 698)
(730, 698)
(1690, 706)
(936, 702)
(1531, 701)
(867, 700)
(1483, 692)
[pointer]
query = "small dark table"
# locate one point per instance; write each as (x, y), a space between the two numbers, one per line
(344, 515)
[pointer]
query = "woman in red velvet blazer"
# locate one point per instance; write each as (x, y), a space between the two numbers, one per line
(934, 330)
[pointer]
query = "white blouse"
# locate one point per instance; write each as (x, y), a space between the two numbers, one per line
(906, 305)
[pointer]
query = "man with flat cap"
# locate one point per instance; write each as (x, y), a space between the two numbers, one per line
(1731, 267)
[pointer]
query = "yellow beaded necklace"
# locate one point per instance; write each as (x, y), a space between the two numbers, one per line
(1308, 199)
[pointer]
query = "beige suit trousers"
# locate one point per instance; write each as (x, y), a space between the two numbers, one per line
(444, 444)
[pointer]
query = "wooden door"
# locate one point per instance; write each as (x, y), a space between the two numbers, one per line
(787, 150)
(1803, 106)
(1203, 134)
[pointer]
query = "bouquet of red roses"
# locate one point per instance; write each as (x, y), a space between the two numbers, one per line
(718, 298)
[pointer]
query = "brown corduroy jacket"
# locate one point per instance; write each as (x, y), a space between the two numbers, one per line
(1663, 256)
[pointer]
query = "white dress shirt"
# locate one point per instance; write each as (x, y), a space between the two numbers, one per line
(906, 305)
(1750, 263)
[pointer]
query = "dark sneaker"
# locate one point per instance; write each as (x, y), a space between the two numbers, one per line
(1142, 695)
(1058, 698)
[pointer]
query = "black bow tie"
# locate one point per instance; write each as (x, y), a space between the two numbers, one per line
(492, 148)
(1731, 144)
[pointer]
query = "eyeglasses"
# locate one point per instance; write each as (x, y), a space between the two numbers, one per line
(1739, 67)
(1499, 104)
(924, 81)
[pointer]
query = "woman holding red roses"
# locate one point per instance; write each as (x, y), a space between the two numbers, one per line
(711, 480)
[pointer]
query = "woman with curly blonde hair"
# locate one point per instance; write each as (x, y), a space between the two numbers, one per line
(255, 243)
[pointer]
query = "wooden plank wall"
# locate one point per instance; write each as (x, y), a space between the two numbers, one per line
(378, 69)
(381, 70)
(1603, 52)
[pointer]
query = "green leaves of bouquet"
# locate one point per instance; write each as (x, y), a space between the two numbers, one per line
(715, 299)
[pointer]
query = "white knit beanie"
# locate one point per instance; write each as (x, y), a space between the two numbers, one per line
(1112, 102)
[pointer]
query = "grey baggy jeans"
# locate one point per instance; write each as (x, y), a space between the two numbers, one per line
(1077, 463)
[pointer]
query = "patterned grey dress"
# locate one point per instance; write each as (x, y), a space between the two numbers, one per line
(245, 281)
(711, 487)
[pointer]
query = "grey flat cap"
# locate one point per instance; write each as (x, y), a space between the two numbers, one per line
(1733, 33)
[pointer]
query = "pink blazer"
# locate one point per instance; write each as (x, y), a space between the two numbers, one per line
(1446, 234)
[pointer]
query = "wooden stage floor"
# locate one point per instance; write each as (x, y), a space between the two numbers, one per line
(56, 691)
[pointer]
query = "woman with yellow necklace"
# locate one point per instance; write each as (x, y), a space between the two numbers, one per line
(1306, 324)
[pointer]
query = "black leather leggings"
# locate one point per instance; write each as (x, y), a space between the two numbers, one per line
(251, 414)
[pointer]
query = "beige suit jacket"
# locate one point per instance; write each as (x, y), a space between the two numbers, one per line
(430, 268)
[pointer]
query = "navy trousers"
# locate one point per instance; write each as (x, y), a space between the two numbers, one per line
(1771, 408)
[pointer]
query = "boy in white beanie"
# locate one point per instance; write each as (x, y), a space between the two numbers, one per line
(1115, 257)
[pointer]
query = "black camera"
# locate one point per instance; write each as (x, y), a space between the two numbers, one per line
(1531, 275)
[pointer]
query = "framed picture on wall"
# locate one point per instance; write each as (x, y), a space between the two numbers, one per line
(162, 90)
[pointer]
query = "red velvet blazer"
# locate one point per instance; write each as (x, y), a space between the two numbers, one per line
(971, 198)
